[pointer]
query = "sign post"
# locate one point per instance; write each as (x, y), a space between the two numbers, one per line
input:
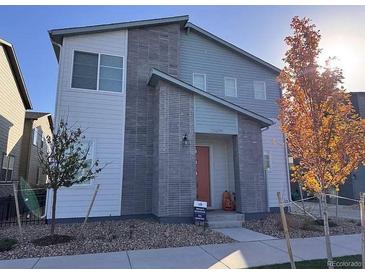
(200, 212)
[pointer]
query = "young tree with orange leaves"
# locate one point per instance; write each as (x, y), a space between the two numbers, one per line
(322, 129)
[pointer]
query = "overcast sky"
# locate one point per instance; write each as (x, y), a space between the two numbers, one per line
(259, 30)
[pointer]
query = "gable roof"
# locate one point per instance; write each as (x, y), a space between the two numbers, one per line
(230, 46)
(34, 115)
(13, 61)
(57, 35)
(156, 75)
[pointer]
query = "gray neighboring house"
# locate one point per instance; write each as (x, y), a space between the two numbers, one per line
(356, 182)
(179, 114)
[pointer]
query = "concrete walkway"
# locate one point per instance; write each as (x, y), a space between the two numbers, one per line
(233, 255)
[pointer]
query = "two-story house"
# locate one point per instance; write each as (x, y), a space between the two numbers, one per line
(178, 113)
(18, 124)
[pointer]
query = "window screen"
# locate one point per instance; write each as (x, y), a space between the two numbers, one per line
(199, 81)
(260, 90)
(230, 87)
(111, 73)
(85, 70)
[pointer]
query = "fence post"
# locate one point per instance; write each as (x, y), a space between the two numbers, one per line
(17, 209)
(362, 218)
(301, 198)
(91, 205)
(286, 232)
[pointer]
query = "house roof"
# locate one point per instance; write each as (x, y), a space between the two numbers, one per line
(230, 46)
(57, 35)
(156, 75)
(13, 61)
(34, 115)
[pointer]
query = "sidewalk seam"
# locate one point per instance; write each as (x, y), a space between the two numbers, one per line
(36, 263)
(129, 259)
(282, 250)
(213, 256)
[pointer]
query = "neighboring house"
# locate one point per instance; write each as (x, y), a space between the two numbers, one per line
(37, 126)
(356, 182)
(14, 101)
(178, 113)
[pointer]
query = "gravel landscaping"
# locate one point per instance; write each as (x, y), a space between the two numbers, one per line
(300, 226)
(108, 236)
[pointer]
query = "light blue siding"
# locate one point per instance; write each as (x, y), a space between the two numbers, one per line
(201, 55)
(213, 118)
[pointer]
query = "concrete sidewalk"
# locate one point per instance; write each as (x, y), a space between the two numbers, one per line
(233, 255)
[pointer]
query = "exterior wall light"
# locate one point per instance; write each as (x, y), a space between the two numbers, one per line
(185, 140)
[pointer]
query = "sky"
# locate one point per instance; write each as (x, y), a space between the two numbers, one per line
(259, 30)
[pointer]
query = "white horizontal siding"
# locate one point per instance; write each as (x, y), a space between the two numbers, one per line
(209, 117)
(277, 179)
(221, 165)
(102, 117)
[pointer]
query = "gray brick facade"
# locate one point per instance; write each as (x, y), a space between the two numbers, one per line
(251, 189)
(159, 173)
(174, 188)
(148, 47)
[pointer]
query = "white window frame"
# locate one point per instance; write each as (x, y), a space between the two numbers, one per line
(254, 90)
(35, 137)
(235, 86)
(92, 156)
(98, 72)
(205, 80)
(267, 153)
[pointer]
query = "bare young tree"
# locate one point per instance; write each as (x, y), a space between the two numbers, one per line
(65, 162)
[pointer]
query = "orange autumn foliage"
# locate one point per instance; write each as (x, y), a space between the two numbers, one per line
(323, 131)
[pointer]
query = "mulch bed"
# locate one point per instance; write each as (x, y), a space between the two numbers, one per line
(300, 226)
(107, 236)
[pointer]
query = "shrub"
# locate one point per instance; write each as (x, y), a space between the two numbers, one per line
(7, 244)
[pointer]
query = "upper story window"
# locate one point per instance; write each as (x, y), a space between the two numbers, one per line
(230, 87)
(259, 90)
(97, 72)
(7, 167)
(199, 81)
(267, 160)
(35, 136)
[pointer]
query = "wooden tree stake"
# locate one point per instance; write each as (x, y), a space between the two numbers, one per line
(17, 209)
(286, 232)
(91, 205)
(362, 218)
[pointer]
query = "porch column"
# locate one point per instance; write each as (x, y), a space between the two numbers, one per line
(251, 196)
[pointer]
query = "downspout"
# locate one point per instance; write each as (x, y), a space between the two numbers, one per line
(55, 117)
(287, 170)
(265, 174)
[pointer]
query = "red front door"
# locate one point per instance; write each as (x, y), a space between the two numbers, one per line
(203, 174)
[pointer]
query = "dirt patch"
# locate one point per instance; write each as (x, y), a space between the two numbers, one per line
(300, 226)
(108, 236)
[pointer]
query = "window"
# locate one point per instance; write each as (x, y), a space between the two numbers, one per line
(199, 81)
(97, 72)
(39, 177)
(111, 73)
(230, 87)
(35, 136)
(260, 90)
(89, 159)
(85, 70)
(7, 167)
(266, 160)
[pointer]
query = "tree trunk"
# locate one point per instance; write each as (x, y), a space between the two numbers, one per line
(327, 231)
(320, 205)
(54, 201)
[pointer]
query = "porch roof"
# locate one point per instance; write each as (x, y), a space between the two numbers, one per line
(156, 75)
